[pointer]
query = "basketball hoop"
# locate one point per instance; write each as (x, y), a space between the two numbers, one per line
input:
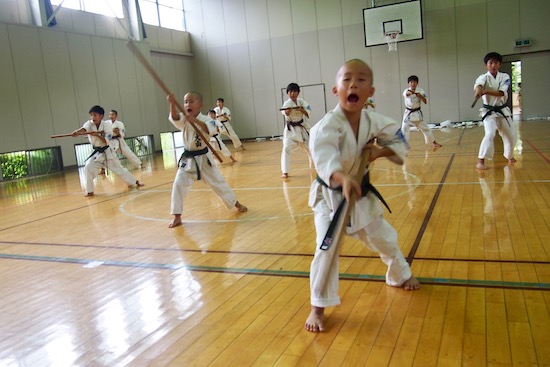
(391, 39)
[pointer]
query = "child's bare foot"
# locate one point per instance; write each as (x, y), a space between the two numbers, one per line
(232, 159)
(436, 144)
(512, 160)
(284, 175)
(411, 285)
(138, 184)
(240, 207)
(176, 221)
(89, 194)
(481, 164)
(316, 320)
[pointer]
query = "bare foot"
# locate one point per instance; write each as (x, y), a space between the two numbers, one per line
(284, 175)
(436, 144)
(481, 164)
(512, 160)
(233, 159)
(176, 221)
(240, 207)
(411, 285)
(89, 194)
(316, 320)
(139, 184)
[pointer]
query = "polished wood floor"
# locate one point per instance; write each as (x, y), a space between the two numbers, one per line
(103, 281)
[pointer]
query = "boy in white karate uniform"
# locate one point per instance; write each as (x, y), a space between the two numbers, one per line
(296, 131)
(223, 114)
(119, 133)
(196, 162)
(336, 145)
(414, 97)
(104, 155)
(496, 116)
(216, 140)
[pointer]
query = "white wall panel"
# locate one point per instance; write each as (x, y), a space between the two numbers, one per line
(304, 17)
(59, 81)
(307, 58)
(32, 89)
(533, 19)
(11, 123)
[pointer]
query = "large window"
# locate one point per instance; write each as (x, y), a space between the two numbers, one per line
(163, 13)
(110, 8)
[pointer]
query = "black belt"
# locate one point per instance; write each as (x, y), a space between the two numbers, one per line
(193, 154)
(294, 124)
(366, 187)
(411, 110)
(215, 136)
(495, 109)
(97, 150)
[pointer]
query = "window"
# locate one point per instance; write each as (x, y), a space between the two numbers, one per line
(163, 13)
(109, 8)
(26, 163)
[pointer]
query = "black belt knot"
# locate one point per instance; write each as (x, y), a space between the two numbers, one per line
(495, 109)
(193, 154)
(97, 150)
(294, 124)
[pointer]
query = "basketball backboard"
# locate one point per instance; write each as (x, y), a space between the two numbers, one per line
(404, 17)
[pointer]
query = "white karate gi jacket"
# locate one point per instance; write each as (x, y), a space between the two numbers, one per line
(334, 148)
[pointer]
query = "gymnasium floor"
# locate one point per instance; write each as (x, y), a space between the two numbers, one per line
(103, 281)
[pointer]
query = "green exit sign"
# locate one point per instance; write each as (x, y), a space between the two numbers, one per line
(523, 42)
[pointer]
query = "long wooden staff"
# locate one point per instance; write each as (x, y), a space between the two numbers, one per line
(338, 224)
(163, 86)
(77, 134)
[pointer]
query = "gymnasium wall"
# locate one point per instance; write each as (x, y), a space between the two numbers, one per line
(247, 51)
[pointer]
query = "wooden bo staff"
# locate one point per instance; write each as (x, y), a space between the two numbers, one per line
(475, 101)
(71, 134)
(163, 86)
(289, 108)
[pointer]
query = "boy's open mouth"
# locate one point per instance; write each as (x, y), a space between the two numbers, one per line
(353, 98)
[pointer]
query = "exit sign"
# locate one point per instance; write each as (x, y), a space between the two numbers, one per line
(523, 43)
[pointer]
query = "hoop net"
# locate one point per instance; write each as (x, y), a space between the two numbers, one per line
(391, 39)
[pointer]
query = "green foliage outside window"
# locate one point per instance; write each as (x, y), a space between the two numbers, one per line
(14, 165)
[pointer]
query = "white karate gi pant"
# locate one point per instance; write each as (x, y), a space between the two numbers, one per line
(211, 176)
(218, 144)
(379, 235)
(228, 130)
(506, 129)
(422, 126)
(297, 137)
(98, 161)
(127, 152)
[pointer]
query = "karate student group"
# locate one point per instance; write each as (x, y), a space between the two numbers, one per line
(340, 147)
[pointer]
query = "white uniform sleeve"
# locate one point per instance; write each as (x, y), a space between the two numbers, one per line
(324, 144)
(179, 123)
(481, 80)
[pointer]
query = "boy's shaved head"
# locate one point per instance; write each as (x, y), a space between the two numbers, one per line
(359, 62)
(195, 94)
